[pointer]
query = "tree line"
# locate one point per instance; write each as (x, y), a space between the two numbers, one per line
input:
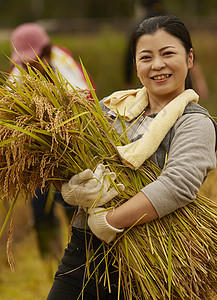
(14, 12)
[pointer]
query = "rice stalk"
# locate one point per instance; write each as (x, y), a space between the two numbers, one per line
(9, 214)
(9, 252)
(51, 132)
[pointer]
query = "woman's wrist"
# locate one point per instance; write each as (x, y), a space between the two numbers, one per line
(137, 210)
(110, 218)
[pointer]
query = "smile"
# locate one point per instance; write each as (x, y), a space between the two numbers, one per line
(160, 77)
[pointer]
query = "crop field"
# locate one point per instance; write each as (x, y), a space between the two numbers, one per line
(103, 55)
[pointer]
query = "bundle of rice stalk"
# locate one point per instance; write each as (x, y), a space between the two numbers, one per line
(51, 131)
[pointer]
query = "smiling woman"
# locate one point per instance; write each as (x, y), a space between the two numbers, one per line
(163, 123)
(162, 67)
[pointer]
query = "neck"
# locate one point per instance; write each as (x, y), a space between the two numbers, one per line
(156, 103)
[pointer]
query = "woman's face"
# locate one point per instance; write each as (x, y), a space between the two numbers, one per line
(162, 64)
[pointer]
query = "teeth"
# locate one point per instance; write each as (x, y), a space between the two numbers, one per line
(159, 77)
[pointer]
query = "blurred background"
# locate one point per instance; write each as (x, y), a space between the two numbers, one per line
(98, 32)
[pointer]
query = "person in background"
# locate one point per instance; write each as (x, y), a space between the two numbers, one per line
(164, 123)
(150, 8)
(28, 41)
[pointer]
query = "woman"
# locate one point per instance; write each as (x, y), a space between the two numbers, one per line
(30, 41)
(174, 132)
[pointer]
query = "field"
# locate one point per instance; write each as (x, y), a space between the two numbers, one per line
(103, 55)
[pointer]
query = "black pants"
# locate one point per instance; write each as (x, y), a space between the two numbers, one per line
(70, 278)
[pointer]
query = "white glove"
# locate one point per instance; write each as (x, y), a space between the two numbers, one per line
(90, 188)
(99, 225)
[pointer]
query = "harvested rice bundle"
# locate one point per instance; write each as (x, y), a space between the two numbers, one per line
(38, 125)
(51, 131)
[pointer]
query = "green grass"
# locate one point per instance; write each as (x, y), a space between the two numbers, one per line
(205, 45)
(33, 276)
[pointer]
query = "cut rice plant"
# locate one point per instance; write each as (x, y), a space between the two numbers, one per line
(51, 131)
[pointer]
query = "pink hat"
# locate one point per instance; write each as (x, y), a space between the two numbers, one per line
(27, 40)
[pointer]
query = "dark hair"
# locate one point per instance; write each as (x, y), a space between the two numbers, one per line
(171, 25)
(46, 51)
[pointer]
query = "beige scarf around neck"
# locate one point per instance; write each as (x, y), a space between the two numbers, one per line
(130, 104)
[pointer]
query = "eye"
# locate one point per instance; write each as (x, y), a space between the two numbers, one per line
(145, 57)
(167, 53)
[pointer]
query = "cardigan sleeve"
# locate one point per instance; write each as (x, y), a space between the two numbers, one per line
(190, 159)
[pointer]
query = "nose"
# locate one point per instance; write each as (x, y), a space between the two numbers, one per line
(158, 63)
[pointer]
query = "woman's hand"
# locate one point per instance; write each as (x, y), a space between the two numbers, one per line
(100, 227)
(91, 188)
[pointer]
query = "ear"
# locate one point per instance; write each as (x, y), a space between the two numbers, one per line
(191, 59)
